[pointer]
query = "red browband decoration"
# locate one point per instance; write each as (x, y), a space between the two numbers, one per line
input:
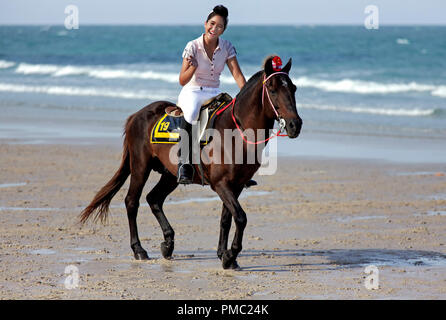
(277, 63)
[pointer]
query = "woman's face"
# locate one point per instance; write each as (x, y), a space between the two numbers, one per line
(214, 27)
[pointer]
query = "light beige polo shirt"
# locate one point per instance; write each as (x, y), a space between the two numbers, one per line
(208, 70)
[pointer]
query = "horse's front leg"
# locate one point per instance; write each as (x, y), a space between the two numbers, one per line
(225, 226)
(229, 196)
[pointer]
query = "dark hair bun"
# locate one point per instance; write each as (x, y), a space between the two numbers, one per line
(221, 11)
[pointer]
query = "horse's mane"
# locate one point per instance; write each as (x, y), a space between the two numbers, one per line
(250, 84)
(253, 80)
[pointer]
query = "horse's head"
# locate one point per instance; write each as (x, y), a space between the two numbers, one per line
(279, 96)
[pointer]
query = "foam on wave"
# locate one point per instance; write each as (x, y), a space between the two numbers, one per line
(416, 112)
(6, 64)
(362, 87)
(101, 72)
(81, 91)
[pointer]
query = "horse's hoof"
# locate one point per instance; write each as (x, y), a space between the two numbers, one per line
(141, 255)
(229, 262)
(167, 249)
(235, 266)
(231, 266)
(250, 183)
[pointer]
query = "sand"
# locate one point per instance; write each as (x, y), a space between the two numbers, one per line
(313, 228)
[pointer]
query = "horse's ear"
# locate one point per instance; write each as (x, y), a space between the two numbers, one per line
(287, 67)
(268, 66)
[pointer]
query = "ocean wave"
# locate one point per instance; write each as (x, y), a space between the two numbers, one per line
(101, 72)
(81, 91)
(345, 85)
(146, 95)
(440, 92)
(402, 41)
(94, 72)
(416, 112)
(6, 64)
(361, 86)
(368, 87)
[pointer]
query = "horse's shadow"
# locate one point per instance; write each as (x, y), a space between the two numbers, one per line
(336, 259)
(330, 259)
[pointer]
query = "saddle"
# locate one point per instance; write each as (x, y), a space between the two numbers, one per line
(166, 129)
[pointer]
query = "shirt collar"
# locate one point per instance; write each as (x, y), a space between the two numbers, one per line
(201, 43)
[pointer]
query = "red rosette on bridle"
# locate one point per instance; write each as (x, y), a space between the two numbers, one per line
(277, 63)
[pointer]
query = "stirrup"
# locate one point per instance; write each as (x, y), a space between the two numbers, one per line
(185, 173)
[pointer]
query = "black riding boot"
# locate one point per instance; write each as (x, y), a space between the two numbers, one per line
(185, 169)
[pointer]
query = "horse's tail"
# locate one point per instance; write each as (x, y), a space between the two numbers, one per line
(101, 201)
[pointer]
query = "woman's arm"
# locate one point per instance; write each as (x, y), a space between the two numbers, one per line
(236, 72)
(187, 70)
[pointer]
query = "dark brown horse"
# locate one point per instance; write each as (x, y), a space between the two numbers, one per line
(251, 110)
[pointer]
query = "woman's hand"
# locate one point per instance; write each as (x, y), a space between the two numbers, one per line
(188, 68)
(192, 61)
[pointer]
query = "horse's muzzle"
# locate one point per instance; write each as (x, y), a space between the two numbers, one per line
(293, 127)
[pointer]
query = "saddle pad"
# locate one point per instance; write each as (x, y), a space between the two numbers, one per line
(166, 129)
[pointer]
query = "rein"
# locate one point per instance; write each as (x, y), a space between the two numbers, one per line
(278, 118)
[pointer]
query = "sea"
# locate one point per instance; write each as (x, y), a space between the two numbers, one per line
(366, 94)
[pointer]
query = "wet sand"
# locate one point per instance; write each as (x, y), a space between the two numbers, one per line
(312, 229)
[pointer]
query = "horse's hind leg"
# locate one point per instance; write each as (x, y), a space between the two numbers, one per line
(137, 182)
(155, 198)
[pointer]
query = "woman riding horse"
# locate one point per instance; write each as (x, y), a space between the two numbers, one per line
(203, 61)
(269, 95)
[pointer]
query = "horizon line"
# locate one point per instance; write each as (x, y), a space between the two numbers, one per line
(232, 25)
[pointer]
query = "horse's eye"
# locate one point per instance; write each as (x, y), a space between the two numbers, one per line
(273, 92)
(294, 88)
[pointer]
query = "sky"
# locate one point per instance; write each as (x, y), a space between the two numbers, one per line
(194, 12)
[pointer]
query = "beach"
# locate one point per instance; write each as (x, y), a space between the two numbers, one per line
(355, 209)
(313, 228)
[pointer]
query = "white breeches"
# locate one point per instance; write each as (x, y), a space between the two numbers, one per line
(191, 98)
